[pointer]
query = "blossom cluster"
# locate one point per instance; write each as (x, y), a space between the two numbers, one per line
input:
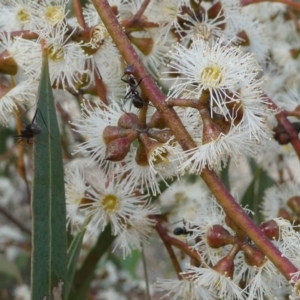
(226, 256)
(218, 64)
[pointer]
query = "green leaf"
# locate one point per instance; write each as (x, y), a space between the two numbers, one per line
(85, 274)
(73, 253)
(49, 263)
(130, 263)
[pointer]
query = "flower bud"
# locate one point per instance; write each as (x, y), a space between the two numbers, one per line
(141, 156)
(217, 236)
(294, 204)
(117, 149)
(161, 136)
(211, 131)
(253, 256)
(7, 64)
(128, 120)
(111, 133)
(225, 266)
(270, 229)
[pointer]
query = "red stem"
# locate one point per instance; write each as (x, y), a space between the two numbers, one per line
(151, 90)
(79, 14)
(142, 9)
(163, 235)
(170, 241)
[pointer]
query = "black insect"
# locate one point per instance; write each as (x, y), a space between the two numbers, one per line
(182, 230)
(30, 129)
(133, 94)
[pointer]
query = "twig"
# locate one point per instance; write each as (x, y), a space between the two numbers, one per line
(78, 12)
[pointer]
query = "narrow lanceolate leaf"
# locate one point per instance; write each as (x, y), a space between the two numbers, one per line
(48, 271)
(73, 253)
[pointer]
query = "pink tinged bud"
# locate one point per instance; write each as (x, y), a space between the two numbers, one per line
(111, 133)
(270, 229)
(211, 131)
(128, 120)
(225, 266)
(294, 204)
(119, 148)
(161, 136)
(217, 236)
(7, 64)
(253, 256)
